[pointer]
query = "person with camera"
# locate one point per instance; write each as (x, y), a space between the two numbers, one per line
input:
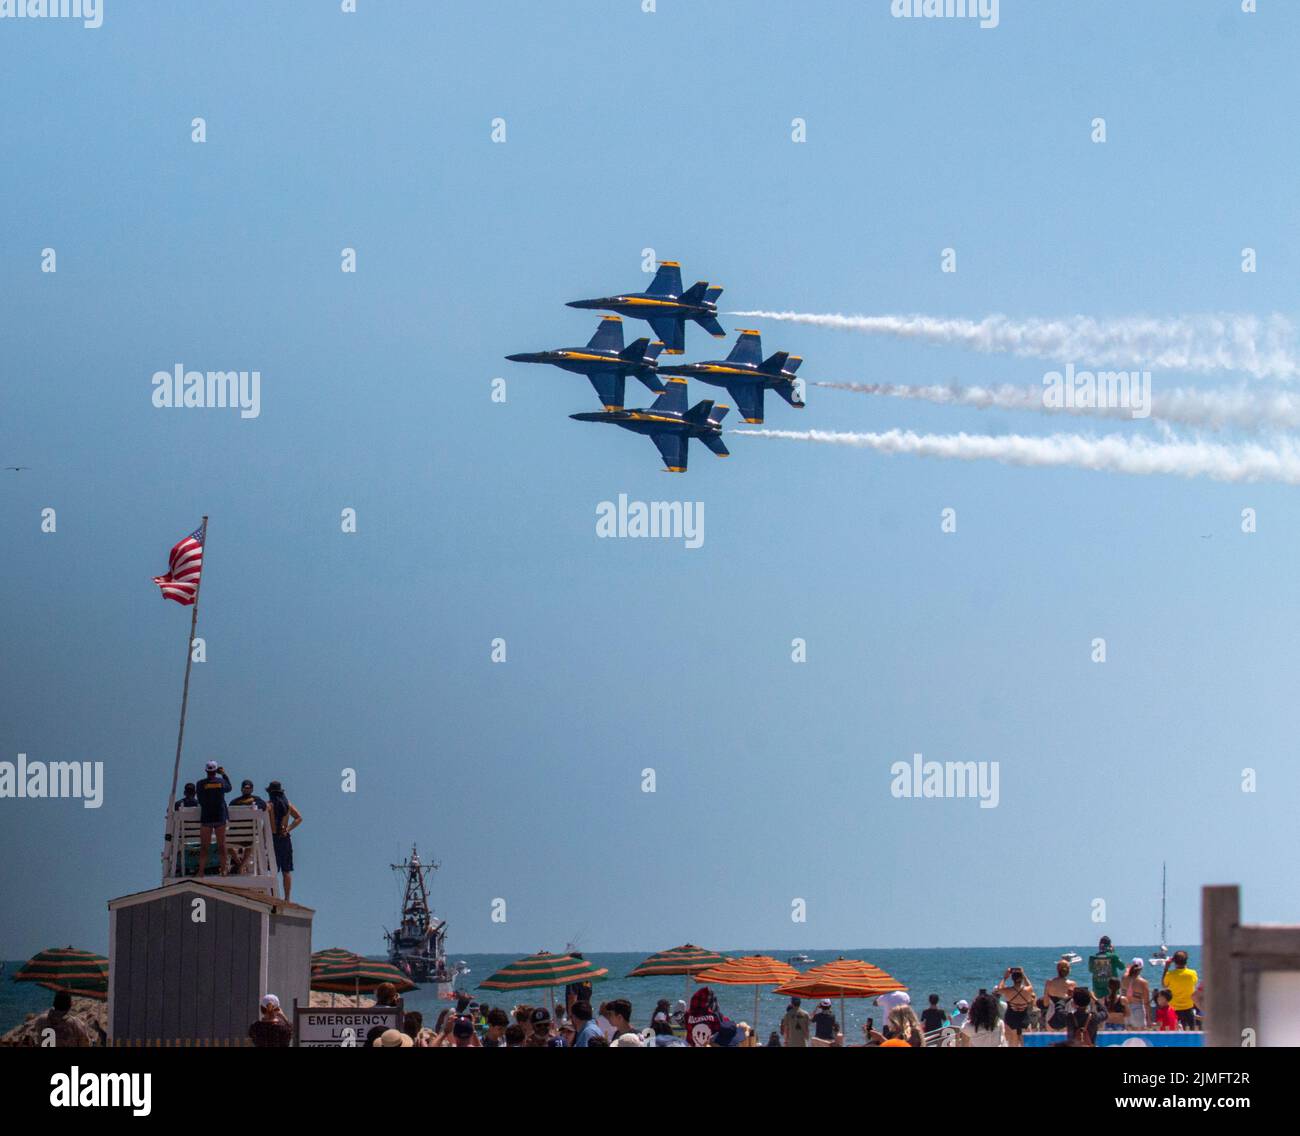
(211, 792)
(1018, 991)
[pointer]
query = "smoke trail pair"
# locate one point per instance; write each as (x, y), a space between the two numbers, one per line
(1262, 348)
(1239, 409)
(1113, 453)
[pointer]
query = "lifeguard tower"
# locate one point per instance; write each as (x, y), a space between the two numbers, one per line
(250, 858)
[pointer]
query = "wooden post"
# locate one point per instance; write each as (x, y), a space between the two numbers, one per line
(168, 851)
(1221, 970)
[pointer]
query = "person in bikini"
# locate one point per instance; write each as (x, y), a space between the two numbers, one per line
(1016, 988)
(1137, 992)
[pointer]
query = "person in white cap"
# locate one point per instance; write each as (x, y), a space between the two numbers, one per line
(1137, 992)
(962, 1014)
(272, 1030)
(825, 1027)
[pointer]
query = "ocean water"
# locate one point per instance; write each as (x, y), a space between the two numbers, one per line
(950, 972)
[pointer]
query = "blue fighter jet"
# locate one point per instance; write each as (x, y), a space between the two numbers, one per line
(670, 425)
(605, 361)
(746, 375)
(666, 307)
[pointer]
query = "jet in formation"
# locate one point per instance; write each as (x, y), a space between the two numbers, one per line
(605, 361)
(669, 425)
(746, 375)
(665, 307)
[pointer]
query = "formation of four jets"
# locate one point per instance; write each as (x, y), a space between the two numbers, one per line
(608, 364)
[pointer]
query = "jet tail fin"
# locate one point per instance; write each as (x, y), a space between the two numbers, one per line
(700, 412)
(716, 444)
(636, 351)
(712, 293)
(695, 293)
(774, 364)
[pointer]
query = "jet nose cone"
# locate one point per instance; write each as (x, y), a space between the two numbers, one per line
(527, 357)
(583, 304)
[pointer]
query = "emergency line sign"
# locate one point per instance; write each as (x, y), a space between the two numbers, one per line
(343, 1026)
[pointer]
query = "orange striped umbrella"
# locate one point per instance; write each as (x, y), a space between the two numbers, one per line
(749, 970)
(843, 978)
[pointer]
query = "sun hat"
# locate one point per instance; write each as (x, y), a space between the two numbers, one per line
(392, 1039)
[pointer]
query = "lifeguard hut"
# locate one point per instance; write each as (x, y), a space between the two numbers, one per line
(190, 960)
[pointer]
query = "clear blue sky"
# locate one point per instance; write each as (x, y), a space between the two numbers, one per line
(627, 131)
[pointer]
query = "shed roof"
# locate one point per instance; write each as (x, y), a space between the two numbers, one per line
(240, 895)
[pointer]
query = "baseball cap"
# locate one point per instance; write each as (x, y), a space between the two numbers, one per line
(825, 1002)
(274, 787)
(540, 1015)
(962, 1004)
(270, 1000)
(211, 767)
(1137, 962)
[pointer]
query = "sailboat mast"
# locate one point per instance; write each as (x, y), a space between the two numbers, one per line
(1164, 937)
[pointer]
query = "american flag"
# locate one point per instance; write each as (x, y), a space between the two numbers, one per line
(184, 565)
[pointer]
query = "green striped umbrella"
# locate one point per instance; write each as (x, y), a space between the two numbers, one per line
(331, 955)
(77, 972)
(687, 959)
(356, 975)
(544, 971)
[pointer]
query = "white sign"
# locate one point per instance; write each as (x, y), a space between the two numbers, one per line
(341, 1026)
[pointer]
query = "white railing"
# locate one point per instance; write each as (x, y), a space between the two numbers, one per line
(250, 858)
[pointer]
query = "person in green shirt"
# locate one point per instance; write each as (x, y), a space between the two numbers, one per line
(1103, 966)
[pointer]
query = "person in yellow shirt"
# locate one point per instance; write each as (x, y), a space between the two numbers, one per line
(1181, 982)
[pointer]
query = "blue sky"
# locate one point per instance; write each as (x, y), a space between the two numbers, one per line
(626, 131)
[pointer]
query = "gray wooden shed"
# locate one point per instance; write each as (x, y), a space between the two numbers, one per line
(189, 961)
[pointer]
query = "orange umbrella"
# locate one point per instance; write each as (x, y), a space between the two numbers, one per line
(843, 978)
(749, 970)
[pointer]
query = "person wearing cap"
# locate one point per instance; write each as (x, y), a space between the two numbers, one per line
(211, 792)
(1103, 966)
(1137, 992)
(796, 1026)
(284, 819)
(541, 1036)
(825, 1027)
(272, 1030)
(963, 1013)
(247, 797)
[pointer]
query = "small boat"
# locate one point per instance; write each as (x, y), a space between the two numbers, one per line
(1072, 957)
(800, 959)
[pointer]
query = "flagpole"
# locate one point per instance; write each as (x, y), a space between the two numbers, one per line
(185, 696)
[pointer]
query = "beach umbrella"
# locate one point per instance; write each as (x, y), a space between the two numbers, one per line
(544, 971)
(688, 959)
(843, 978)
(66, 969)
(356, 975)
(331, 955)
(749, 970)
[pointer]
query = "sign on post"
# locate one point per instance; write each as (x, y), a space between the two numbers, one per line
(341, 1026)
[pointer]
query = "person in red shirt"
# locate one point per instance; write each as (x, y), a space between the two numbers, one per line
(1166, 1019)
(703, 1019)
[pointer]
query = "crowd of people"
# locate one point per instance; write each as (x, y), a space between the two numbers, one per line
(208, 795)
(1117, 997)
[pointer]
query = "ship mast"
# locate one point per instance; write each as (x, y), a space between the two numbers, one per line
(415, 900)
(1164, 938)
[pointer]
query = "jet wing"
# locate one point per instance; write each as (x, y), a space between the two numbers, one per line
(673, 447)
(749, 398)
(671, 331)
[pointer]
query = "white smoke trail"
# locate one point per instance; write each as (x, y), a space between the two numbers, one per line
(1264, 348)
(1239, 409)
(1113, 453)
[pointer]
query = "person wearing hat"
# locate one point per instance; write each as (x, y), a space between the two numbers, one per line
(1137, 992)
(392, 1039)
(1103, 966)
(272, 1030)
(247, 797)
(963, 1013)
(541, 1036)
(825, 1027)
(211, 791)
(284, 819)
